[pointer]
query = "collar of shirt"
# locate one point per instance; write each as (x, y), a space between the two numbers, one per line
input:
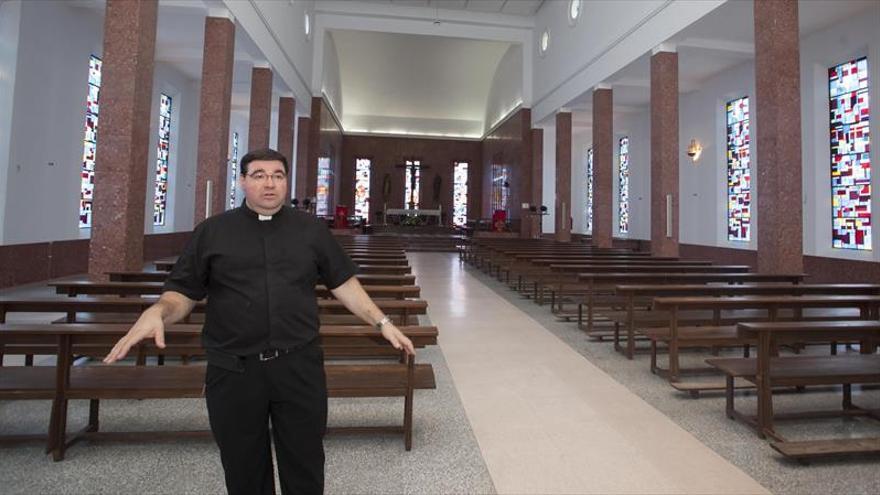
(251, 213)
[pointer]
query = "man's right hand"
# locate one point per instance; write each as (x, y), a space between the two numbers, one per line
(149, 325)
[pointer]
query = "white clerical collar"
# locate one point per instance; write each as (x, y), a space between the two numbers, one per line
(263, 218)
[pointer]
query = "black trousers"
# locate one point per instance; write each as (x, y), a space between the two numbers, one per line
(291, 392)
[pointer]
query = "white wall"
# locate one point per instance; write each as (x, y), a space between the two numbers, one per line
(10, 17)
(819, 52)
(331, 84)
(506, 90)
(637, 126)
(581, 141)
(184, 95)
(608, 36)
(703, 184)
(42, 200)
(703, 187)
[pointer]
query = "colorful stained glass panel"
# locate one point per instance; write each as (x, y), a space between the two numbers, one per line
(849, 119)
(90, 143)
(739, 175)
(362, 188)
(160, 193)
(460, 193)
(623, 187)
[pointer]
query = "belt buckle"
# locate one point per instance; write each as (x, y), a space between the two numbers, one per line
(268, 354)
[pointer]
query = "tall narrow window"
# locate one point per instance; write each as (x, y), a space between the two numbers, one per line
(739, 175)
(234, 175)
(90, 142)
(850, 155)
(459, 193)
(411, 187)
(501, 189)
(362, 188)
(590, 190)
(623, 187)
(160, 196)
(322, 198)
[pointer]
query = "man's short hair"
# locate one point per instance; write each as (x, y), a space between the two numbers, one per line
(265, 154)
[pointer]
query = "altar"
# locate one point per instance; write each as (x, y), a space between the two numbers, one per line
(410, 212)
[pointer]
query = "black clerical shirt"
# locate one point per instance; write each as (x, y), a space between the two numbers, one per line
(259, 277)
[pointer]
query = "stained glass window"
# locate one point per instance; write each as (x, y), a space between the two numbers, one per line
(322, 199)
(590, 190)
(160, 195)
(623, 187)
(411, 195)
(501, 189)
(234, 175)
(739, 175)
(362, 188)
(90, 142)
(459, 193)
(850, 155)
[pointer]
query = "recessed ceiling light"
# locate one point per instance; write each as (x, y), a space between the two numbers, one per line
(574, 11)
(544, 42)
(307, 24)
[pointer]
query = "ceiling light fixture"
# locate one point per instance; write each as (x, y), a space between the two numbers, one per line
(694, 150)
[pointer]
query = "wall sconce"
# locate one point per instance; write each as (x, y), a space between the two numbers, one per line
(694, 150)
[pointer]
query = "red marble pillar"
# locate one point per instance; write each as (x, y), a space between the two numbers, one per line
(260, 111)
(215, 101)
(664, 154)
(286, 122)
(314, 148)
(603, 167)
(537, 137)
(117, 236)
(302, 156)
(563, 177)
(778, 130)
(525, 176)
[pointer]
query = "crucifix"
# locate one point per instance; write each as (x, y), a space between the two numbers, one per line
(413, 166)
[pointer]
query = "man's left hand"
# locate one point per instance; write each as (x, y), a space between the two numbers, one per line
(397, 339)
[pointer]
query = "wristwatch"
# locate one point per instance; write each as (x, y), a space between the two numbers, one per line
(381, 323)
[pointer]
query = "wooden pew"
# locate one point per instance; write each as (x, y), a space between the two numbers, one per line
(366, 279)
(768, 370)
(81, 287)
(402, 310)
(630, 295)
(66, 382)
(604, 284)
(677, 337)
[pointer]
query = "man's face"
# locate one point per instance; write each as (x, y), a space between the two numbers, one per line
(264, 186)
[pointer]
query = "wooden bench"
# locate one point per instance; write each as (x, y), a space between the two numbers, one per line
(676, 337)
(65, 382)
(629, 296)
(767, 371)
(82, 287)
(364, 278)
(604, 284)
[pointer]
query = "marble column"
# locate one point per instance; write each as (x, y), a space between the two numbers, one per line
(314, 148)
(664, 154)
(215, 103)
(117, 237)
(777, 113)
(537, 137)
(563, 177)
(603, 167)
(524, 175)
(286, 123)
(260, 110)
(302, 156)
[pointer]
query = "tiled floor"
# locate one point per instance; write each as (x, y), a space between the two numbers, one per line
(546, 419)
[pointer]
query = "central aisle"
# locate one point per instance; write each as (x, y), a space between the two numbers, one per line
(546, 419)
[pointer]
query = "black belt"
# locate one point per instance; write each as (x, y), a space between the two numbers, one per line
(234, 362)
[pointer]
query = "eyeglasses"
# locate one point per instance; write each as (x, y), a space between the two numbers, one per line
(261, 176)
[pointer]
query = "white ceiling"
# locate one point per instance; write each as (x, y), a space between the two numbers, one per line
(513, 7)
(719, 41)
(420, 84)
